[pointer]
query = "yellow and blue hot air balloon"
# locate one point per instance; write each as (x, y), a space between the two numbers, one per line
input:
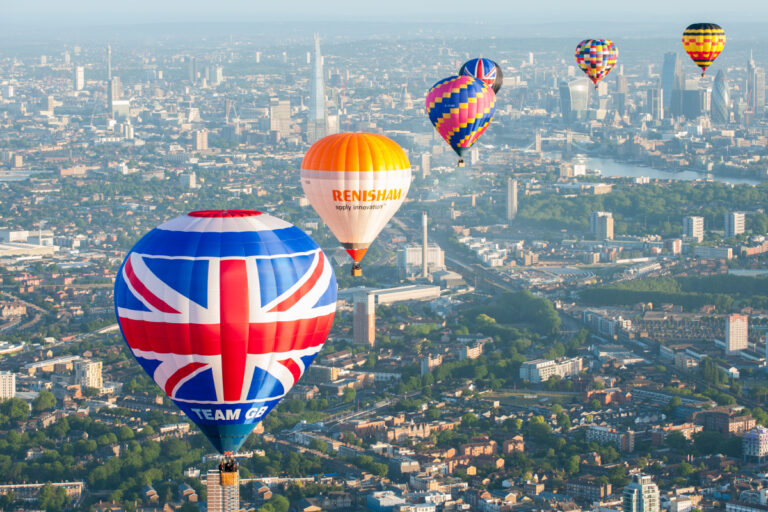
(460, 108)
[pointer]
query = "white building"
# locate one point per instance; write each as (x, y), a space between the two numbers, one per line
(540, 370)
(713, 253)
(7, 385)
(88, 374)
(641, 495)
(409, 260)
(755, 445)
(736, 333)
(734, 224)
(693, 228)
(79, 78)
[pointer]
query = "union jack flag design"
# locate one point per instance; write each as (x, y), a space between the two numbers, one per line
(225, 310)
(483, 69)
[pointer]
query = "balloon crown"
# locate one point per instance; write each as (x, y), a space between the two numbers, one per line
(224, 213)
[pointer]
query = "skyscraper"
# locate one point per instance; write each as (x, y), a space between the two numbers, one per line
(221, 497)
(734, 224)
(755, 90)
(364, 318)
(79, 78)
(671, 73)
(280, 117)
(736, 333)
(7, 385)
(654, 102)
(109, 62)
(425, 247)
(574, 98)
(640, 495)
(511, 198)
(601, 224)
(317, 124)
(693, 227)
(719, 111)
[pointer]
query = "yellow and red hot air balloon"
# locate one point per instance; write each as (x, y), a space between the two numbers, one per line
(596, 57)
(356, 182)
(703, 42)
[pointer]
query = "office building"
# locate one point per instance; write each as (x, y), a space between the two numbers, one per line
(113, 92)
(574, 98)
(755, 90)
(640, 495)
(734, 224)
(671, 74)
(736, 333)
(79, 78)
(754, 445)
(720, 108)
(654, 103)
(201, 140)
(221, 498)
(280, 117)
(541, 370)
(693, 228)
(317, 124)
(7, 385)
(364, 320)
(426, 160)
(424, 246)
(88, 374)
(511, 198)
(601, 224)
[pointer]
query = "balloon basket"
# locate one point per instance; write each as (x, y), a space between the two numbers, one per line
(461, 162)
(228, 474)
(357, 270)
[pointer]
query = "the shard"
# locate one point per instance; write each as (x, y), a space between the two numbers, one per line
(317, 125)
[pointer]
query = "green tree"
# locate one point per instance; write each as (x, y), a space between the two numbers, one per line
(44, 401)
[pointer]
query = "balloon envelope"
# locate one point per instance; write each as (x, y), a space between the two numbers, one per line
(596, 57)
(225, 310)
(486, 70)
(356, 182)
(460, 108)
(703, 42)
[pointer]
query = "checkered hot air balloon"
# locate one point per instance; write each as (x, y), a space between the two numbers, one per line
(460, 108)
(703, 42)
(225, 310)
(596, 57)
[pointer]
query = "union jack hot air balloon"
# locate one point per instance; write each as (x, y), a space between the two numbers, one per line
(486, 70)
(225, 310)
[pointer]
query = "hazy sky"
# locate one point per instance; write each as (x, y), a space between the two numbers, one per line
(87, 12)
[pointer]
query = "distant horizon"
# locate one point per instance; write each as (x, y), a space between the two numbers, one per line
(79, 13)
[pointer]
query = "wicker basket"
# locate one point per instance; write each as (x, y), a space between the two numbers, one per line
(229, 478)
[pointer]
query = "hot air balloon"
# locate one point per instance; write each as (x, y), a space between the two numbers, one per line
(703, 42)
(356, 182)
(225, 310)
(460, 108)
(486, 70)
(596, 57)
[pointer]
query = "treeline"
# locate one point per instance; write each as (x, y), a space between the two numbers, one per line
(521, 307)
(649, 209)
(723, 291)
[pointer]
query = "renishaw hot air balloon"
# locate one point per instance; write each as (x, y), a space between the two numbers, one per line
(486, 70)
(356, 182)
(225, 310)
(596, 57)
(703, 42)
(460, 108)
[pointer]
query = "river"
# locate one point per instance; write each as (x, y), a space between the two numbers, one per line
(610, 167)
